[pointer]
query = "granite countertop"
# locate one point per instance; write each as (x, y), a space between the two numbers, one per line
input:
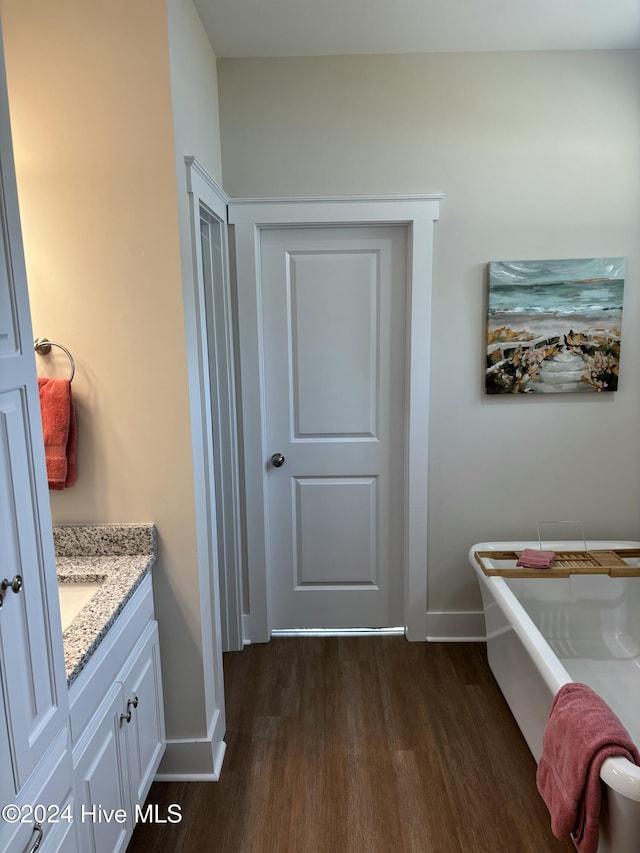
(116, 555)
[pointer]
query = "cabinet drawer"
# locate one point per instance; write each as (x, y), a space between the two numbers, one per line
(49, 837)
(62, 838)
(46, 795)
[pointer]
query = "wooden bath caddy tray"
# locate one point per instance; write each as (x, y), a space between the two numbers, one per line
(566, 563)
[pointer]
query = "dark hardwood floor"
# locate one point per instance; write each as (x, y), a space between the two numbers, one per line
(361, 745)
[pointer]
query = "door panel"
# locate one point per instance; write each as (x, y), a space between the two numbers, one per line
(333, 310)
(8, 332)
(333, 332)
(347, 506)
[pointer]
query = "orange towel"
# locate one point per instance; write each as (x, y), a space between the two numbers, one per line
(59, 430)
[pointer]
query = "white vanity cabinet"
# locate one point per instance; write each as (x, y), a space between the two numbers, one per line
(35, 762)
(117, 727)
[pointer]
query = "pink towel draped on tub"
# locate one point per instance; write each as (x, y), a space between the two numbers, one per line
(59, 430)
(532, 558)
(581, 732)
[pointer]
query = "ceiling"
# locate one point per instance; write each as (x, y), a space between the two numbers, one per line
(244, 28)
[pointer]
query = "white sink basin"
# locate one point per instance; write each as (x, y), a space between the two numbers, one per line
(73, 597)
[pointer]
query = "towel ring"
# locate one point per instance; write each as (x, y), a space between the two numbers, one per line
(43, 346)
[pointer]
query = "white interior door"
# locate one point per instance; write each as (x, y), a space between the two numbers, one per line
(334, 319)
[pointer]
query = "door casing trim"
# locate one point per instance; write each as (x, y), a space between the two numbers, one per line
(248, 217)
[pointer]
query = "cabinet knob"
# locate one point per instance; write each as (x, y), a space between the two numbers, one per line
(14, 585)
(131, 703)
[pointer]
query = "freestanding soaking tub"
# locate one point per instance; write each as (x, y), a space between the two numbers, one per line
(543, 632)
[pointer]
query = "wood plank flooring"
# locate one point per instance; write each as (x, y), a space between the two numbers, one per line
(361, 745)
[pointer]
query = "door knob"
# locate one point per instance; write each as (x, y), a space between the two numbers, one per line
(277, 460)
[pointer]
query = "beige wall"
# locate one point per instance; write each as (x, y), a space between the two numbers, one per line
(90, 97)
(538, 157)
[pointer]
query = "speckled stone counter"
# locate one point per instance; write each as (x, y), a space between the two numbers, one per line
(116, 555)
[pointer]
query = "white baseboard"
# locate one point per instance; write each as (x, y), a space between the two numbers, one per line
(194, 759)
(455, 626)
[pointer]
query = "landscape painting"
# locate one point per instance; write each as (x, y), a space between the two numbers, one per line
(554, 326)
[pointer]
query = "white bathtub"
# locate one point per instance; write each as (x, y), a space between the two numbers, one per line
(544, 632)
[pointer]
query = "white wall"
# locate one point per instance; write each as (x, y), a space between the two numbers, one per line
(537, 155)
(194, 97)
(92, 121)
(194, 94)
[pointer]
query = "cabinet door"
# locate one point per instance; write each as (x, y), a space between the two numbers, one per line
(142, 689)
(103, 804)
(32, 680)
(35, 700)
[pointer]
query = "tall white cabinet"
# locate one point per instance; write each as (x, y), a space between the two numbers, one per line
(35, 760)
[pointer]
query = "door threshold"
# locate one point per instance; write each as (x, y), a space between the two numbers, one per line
(337, 632)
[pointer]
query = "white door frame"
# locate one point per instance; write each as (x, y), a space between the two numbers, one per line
(248, 217)
(199, 186)
(216, 372)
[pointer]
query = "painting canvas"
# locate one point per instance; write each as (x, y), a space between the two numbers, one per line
(554, 326)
